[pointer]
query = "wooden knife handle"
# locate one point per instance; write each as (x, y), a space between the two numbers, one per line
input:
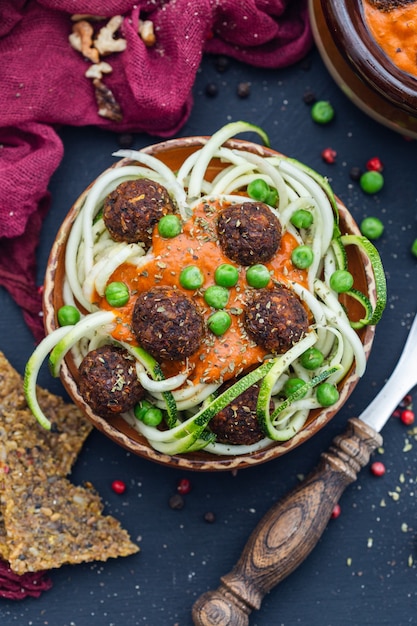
(288, 532)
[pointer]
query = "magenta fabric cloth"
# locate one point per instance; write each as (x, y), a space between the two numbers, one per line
(18, 587)
(42, 86)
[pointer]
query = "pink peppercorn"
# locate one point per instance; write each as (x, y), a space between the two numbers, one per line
(374, 165)
(184, 486)
(336, 511)
(329, 155)
(378, 468)
(407, 400)
(407, 417)
(118, 486)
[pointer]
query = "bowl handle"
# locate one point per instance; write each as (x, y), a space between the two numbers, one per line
(288, 532)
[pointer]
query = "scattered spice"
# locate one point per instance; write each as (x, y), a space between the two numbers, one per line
(407, 446)
(209, 517)
(118, 486)
(374, 164)
(184, 486)
(125, 140)
(309, 97)
(243, 90)
(329, 155)
(221, 64)
(211, 90)
(336, 511)
(407, 417)
(355, 173)
(407, 401)
(378, 468)
(176, 502)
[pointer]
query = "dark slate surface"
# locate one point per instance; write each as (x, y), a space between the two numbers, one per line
(346, 580)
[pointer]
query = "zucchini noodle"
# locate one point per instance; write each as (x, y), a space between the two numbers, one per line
(93, 258)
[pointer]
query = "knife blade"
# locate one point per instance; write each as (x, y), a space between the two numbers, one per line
(290, 530)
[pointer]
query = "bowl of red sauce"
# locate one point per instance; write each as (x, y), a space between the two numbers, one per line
(208, 302)
(370, 49)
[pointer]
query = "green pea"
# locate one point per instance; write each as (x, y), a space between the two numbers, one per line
(148, 413)
(327, 394)
(414, 248)
(117, 294)
(292, 385)
(141, 408)
(169, 226)
(152, 417)
(216, 296)
(341, 281)
(68, 315)
(372, 227)
(371, 182)
(322, 112)
(272, 198)
(219, 322)
(226, 275)
(302, 257)
(191, 277)
(312, 358)
(302, 219)
(258, 276)
(258, 189)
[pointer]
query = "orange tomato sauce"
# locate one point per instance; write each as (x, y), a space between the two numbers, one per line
(395, 32)
(218, 358)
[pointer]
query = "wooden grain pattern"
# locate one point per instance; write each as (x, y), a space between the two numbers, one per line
(288, 532)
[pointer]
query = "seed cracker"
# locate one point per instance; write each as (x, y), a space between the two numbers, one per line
(45, 520)
(56, 523)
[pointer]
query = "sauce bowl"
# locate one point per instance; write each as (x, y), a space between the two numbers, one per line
(173, 154)
(361, 68)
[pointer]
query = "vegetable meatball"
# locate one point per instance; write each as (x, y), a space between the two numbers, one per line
(237, 422)
(249, 233)
(131, 211)
(275, 319)
(108, 382)
(167, 324)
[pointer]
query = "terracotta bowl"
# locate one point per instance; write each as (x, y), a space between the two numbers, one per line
(360, 66)
(173, 153)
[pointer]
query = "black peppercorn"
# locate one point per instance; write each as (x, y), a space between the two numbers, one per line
(355, 173)
(243, 90)
(176, 502)
(125, 140)
(309, 97)
(211, 90)
(221, 64)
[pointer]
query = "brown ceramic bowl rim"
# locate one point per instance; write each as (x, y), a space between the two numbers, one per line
(118, 430)
(347, 25)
